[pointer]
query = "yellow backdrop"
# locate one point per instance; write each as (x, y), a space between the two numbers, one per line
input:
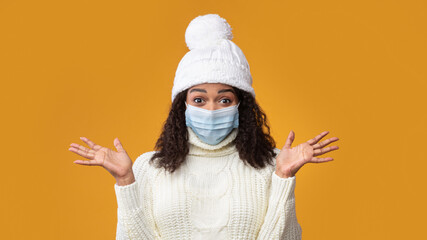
(104, 69)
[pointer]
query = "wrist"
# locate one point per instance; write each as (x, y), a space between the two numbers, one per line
(284, 174)
(125, 180)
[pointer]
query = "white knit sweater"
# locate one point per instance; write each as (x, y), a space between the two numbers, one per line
(213, 195)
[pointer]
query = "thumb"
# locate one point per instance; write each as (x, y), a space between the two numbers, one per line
(290, 139)
(118, 145)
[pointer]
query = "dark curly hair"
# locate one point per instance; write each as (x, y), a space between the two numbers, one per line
(253, 140)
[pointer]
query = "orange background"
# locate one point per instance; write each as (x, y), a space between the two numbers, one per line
(104, 69)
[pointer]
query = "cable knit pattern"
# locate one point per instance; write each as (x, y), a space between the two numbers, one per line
(213, 195)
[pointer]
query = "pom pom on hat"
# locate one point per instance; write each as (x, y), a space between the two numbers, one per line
(207, 30)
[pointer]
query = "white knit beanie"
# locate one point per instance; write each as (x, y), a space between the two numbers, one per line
(213, 57)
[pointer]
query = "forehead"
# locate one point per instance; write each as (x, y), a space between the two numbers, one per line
(212, 86)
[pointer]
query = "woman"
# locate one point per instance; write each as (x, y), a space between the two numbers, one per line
(216, 173)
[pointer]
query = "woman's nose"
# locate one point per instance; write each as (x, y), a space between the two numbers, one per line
(211, 106)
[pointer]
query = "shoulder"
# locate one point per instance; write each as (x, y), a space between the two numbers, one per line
(145, 156)
(268, 170)
(142, 164)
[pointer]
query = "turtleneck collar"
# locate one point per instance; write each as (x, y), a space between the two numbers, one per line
(199, 148)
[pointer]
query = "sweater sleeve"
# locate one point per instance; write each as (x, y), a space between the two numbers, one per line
(280, 221)
(134, 218)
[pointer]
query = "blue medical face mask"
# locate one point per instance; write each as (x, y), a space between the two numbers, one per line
(212, 126)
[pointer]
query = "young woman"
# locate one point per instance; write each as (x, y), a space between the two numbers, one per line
(216, 173)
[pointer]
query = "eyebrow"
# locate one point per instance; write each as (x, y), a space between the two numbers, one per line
(226, 90)
(204, 91)
(197, 90)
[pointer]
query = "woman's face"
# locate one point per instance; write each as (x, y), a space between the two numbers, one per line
(211, 96)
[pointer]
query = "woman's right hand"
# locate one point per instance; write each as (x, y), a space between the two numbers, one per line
(117, 163)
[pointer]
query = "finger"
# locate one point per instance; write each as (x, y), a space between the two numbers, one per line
(320, 160)
(289, 140)
(324, 150)
(317, 138)
(324, 143)
(90, 143)
(83, 153)
(83, 148)
(87, 163)
(118, 145)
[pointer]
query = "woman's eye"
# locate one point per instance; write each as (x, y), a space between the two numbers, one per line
(197, 100)
(225, 100)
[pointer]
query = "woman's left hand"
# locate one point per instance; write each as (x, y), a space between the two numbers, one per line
(290, 160)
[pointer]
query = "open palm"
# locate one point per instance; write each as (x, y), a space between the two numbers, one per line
(291, 159)
(117, 163)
